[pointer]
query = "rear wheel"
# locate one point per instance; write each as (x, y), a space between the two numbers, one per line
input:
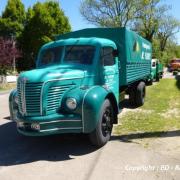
(132, 96)
(158, 77)
(102, 133)
(150, 82)
(140, 94)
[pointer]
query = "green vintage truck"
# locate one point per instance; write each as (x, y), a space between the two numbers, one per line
(156, 70)
(79, 81)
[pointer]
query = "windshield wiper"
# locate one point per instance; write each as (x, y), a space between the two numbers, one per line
(72, 47)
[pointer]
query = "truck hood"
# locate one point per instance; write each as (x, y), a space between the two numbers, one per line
(54, 72)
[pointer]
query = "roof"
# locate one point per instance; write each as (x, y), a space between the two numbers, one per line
(80, 41)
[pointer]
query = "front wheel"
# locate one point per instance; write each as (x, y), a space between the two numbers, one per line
(102, 133)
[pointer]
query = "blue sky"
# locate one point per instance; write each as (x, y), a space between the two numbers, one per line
(71, 9)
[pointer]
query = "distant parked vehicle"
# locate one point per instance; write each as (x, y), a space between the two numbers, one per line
(156, 70)
(174, 65)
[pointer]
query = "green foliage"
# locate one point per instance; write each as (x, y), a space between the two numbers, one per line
(12, 20)
(108, 13)
(44, 21)
(150, 18)
(147, 21)
(9, 28)
(171, 51)
(33, 28)
(15, 11)
(177, 51)
(168, 26)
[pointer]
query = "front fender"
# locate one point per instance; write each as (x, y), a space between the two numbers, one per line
(91, 106)
(13, 107)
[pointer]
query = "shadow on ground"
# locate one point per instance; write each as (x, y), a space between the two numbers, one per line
(161, 134)
(126, 104)
(17, 149)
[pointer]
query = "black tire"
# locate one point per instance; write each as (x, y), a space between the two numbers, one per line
(132, 96)
(157, 77)
(102, 133)
(140, 94)
(150, 82)
(175, 73)
(161, 75)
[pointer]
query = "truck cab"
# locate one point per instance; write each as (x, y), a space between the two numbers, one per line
(66, 90)
(156, 70)
(174, 65)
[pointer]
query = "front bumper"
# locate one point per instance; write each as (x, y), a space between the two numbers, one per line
(51, 124)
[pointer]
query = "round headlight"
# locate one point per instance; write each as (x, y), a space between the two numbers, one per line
(71, 103)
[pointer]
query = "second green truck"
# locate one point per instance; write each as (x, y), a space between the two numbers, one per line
(79, 81)
(156, 70)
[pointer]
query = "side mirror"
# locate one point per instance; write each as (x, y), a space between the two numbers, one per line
(115, 53)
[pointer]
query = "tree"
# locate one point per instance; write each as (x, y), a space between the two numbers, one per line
(149, 15)
(8, 51)
(13, 18)
(108, 13)
(140, 15)
(172, 50)
(44, 21)
(168, 26)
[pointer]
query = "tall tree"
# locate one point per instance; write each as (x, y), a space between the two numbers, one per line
(14, 11)
(108, 13)
(13, 18)
(168, 26)
(44, 21)
(141, 15)
(149, 14)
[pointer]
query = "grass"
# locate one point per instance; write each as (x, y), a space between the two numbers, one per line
(160, 113)
(6, 87)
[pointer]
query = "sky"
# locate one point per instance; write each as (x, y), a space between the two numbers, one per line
(71, 10)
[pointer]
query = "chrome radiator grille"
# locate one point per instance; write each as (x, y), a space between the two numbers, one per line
(54, 96)
(29, 98)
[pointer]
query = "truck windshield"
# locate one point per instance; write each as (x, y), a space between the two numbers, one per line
(50, 56)
(79, 54)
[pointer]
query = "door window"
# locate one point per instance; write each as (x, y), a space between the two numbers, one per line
(107, 57)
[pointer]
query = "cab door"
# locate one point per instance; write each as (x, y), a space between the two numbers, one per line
(153, 69)
(110, 70)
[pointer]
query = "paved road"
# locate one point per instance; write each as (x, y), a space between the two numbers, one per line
(72, 157)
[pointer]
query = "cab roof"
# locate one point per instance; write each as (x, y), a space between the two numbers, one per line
(80, 41)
